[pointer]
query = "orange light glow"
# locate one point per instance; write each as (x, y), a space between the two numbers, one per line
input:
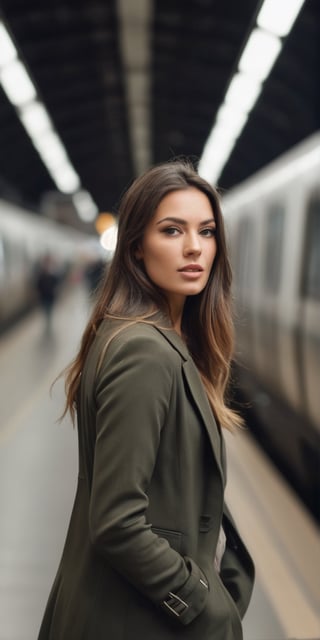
(103, 222)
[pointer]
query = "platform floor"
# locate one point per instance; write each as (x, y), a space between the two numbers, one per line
(38, 470)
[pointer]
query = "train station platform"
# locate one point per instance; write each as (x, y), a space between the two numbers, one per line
(38, 472)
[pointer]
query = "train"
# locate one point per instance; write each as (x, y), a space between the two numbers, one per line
(273, 229)
(25, 238)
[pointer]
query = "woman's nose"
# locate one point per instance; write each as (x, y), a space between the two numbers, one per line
(192, 245)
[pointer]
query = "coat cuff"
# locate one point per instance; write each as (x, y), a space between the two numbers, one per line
(186, 603)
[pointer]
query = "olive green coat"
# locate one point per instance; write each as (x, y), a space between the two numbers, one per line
(138, 558)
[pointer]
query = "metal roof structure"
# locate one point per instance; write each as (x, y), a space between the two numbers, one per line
(129, 83)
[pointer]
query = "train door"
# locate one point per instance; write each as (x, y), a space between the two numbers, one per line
(268, 312)
(309, 339)
(2, 276)
(243, 276)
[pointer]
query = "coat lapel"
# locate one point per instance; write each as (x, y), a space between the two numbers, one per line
(198, 393)
(201, 401)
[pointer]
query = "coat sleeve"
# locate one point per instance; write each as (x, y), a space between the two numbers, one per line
(132, 394)
(237, 569)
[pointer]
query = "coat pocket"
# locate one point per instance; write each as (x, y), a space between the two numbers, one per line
(173, 537)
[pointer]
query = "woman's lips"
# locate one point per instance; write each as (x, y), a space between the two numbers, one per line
(191, 268)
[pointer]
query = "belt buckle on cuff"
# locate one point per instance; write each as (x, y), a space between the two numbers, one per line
(176, 605)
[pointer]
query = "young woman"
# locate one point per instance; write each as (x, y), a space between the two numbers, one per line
(151, 550)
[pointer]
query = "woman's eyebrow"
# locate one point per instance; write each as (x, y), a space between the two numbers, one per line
(172, 219)
(207, 221)
(184, 222)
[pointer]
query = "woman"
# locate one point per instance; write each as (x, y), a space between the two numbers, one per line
(145, 553)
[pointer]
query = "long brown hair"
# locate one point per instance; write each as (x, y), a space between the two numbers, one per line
(127, 292)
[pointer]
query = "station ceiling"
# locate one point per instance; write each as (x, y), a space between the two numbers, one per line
(129, 83)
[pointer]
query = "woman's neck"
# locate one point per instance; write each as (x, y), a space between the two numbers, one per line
(176, 319)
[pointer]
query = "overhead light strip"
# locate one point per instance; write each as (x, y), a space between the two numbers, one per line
(273, 24)
(35, 119)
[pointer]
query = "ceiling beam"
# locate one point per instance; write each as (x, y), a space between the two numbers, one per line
(135, 46)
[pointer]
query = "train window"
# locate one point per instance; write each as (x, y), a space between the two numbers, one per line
(1, 256)
(5, 252)
(244, 271)
(274, 240)
(311, 269)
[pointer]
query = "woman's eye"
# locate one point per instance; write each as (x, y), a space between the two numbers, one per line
(171, 231)
(209, 232)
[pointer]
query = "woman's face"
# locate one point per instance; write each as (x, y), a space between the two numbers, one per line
(179, 245)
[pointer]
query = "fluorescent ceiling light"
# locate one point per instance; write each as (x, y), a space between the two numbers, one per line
(8, 51)
(278, 17)
(86, 208)
(231, 120)
(33, 115)
(51, 149)
(215, 153)
(17, 84)
(65, 177)
(260, 54)
(35, 119)
(229, 124)
(243, 92)
(262, 48)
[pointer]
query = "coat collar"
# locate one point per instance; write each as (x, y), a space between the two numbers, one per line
(196, 388)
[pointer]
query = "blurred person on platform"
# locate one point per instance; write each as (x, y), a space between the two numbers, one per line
(47, 281)
(152, 550)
